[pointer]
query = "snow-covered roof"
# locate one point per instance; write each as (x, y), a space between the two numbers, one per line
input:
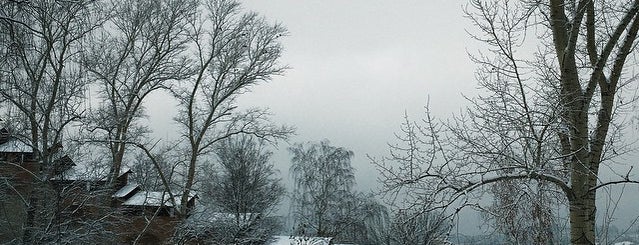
(87, 172)
(13, 145)
(203, 218)
(126, 190)
(154, 199)
(204, 214)
(625, 243)
(217, 216)
(300, 240)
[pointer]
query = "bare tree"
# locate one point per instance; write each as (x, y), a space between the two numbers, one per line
(375, 222)
(525, 212)
(140, 48)
(365, 221)
(233, 51)
(247, 182)
(42, 87)
(552, 115)
(154, 168)
(409, 227)
(323, 189)
(49, 47)
(239, 195)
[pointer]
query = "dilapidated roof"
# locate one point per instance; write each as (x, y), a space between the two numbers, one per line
(13, 145)
(205, 215)
(126, 190)
(154, 199)
(87, 172)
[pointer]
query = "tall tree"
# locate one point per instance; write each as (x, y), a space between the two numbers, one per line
(233, 51)
(551, 115)
(42, 83)
(323, 188)
(42, 87)
(139, 50)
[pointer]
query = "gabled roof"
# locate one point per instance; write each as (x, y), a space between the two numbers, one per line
(126, 190)
(155, 199)
(13, 145)
(203, 214)
(87, 172)
(62, 164)
(203, 219)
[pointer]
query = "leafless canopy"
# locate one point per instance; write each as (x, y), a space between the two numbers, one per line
(233, 51)
(554, 97)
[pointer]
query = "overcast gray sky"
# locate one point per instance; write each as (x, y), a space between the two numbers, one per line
(357, 65)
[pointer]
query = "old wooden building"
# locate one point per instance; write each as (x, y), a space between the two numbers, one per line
(78, 194)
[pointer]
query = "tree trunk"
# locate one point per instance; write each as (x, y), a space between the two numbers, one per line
(582, 219)
(190, 180)
(30, 221)
(116, 165)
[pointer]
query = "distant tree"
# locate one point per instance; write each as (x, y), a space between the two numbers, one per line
(323, 197)
(246, 187)
(247, 181)
(369, 221)
(233, 51)
(376, 224)
(238, 196)
(416, 227)
(524, 212)
(209, 227)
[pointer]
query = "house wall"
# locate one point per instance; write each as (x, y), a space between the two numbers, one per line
(158, 231)
(18, 170)
(76, 204)
(16, 177)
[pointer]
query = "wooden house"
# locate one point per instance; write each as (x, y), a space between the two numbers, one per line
(83, 194)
